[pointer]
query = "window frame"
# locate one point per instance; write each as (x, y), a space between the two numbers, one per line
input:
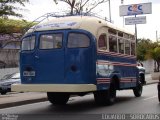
(78, 33)
(129, 46)
(50, 34)
(126, 37)
(116, 43)
(132, 42)
(123, 45)
(28, 37)
(106, 42)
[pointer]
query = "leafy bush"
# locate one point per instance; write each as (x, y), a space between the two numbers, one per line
(9, 26)
(147, 49)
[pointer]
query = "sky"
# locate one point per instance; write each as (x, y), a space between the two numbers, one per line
(37, 8)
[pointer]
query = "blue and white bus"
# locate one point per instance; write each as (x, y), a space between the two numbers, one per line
(76, 55)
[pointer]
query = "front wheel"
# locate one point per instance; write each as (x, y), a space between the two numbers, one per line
(138, 89)
(142, 79)
(3, 92)
(58, 98)
(106, 97)
(159, 95)
(158, 92)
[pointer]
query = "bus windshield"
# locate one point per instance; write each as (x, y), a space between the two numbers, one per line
(28, 43)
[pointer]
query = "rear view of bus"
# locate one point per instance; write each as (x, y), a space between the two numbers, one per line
(59, 59)
(76, 55)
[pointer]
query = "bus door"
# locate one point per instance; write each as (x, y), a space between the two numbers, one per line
(49, 58)
(80, 58)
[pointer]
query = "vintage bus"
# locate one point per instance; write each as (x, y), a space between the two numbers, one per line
(76, 55)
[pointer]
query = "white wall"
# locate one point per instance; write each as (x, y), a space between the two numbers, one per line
(149, 66)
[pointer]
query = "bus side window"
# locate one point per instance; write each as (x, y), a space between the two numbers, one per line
(127, 47)
(121, 45)
(132, 48)
(112, 43)
(102, 45)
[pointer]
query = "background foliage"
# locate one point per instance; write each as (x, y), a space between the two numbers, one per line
(9, 26)
(148, 49)
(8, 7)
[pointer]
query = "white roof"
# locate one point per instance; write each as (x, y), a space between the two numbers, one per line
(89, 23)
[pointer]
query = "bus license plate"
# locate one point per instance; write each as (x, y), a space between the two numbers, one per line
(28, 73)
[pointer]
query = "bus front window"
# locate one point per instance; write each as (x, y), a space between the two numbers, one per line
(28, 43)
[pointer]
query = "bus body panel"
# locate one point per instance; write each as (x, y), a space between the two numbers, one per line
(60, 66)
(123, 67)
(80, 62)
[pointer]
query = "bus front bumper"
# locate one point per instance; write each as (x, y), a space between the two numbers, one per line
(53, 87)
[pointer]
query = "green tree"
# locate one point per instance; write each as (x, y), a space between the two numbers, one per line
(79, 6)
(8, 8)
(9, 26)
(142, 48)
(147, 49)
(154, 53)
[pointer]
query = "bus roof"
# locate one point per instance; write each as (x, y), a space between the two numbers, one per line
(89, 23)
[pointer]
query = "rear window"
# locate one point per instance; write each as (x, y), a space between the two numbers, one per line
(78, 40)
(28, 43)
(51, 41)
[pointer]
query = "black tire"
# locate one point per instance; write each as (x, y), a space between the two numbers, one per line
(106, 97)
(58, 98)
(138, 89)
(158, 88)
(142, 79)
(3, 92)
(159, 95)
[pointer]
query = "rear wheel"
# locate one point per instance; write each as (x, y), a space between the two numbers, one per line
(3, 92)
(159, 95)
(158, 91)
(106, 97)
(138, 89)
(58, 98)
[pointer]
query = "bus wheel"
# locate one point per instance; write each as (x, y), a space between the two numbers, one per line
(3, 93)
(142, 79)
(58, 98)
(112, 93)
(106, 97)
(159, 96)
(138, 89)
